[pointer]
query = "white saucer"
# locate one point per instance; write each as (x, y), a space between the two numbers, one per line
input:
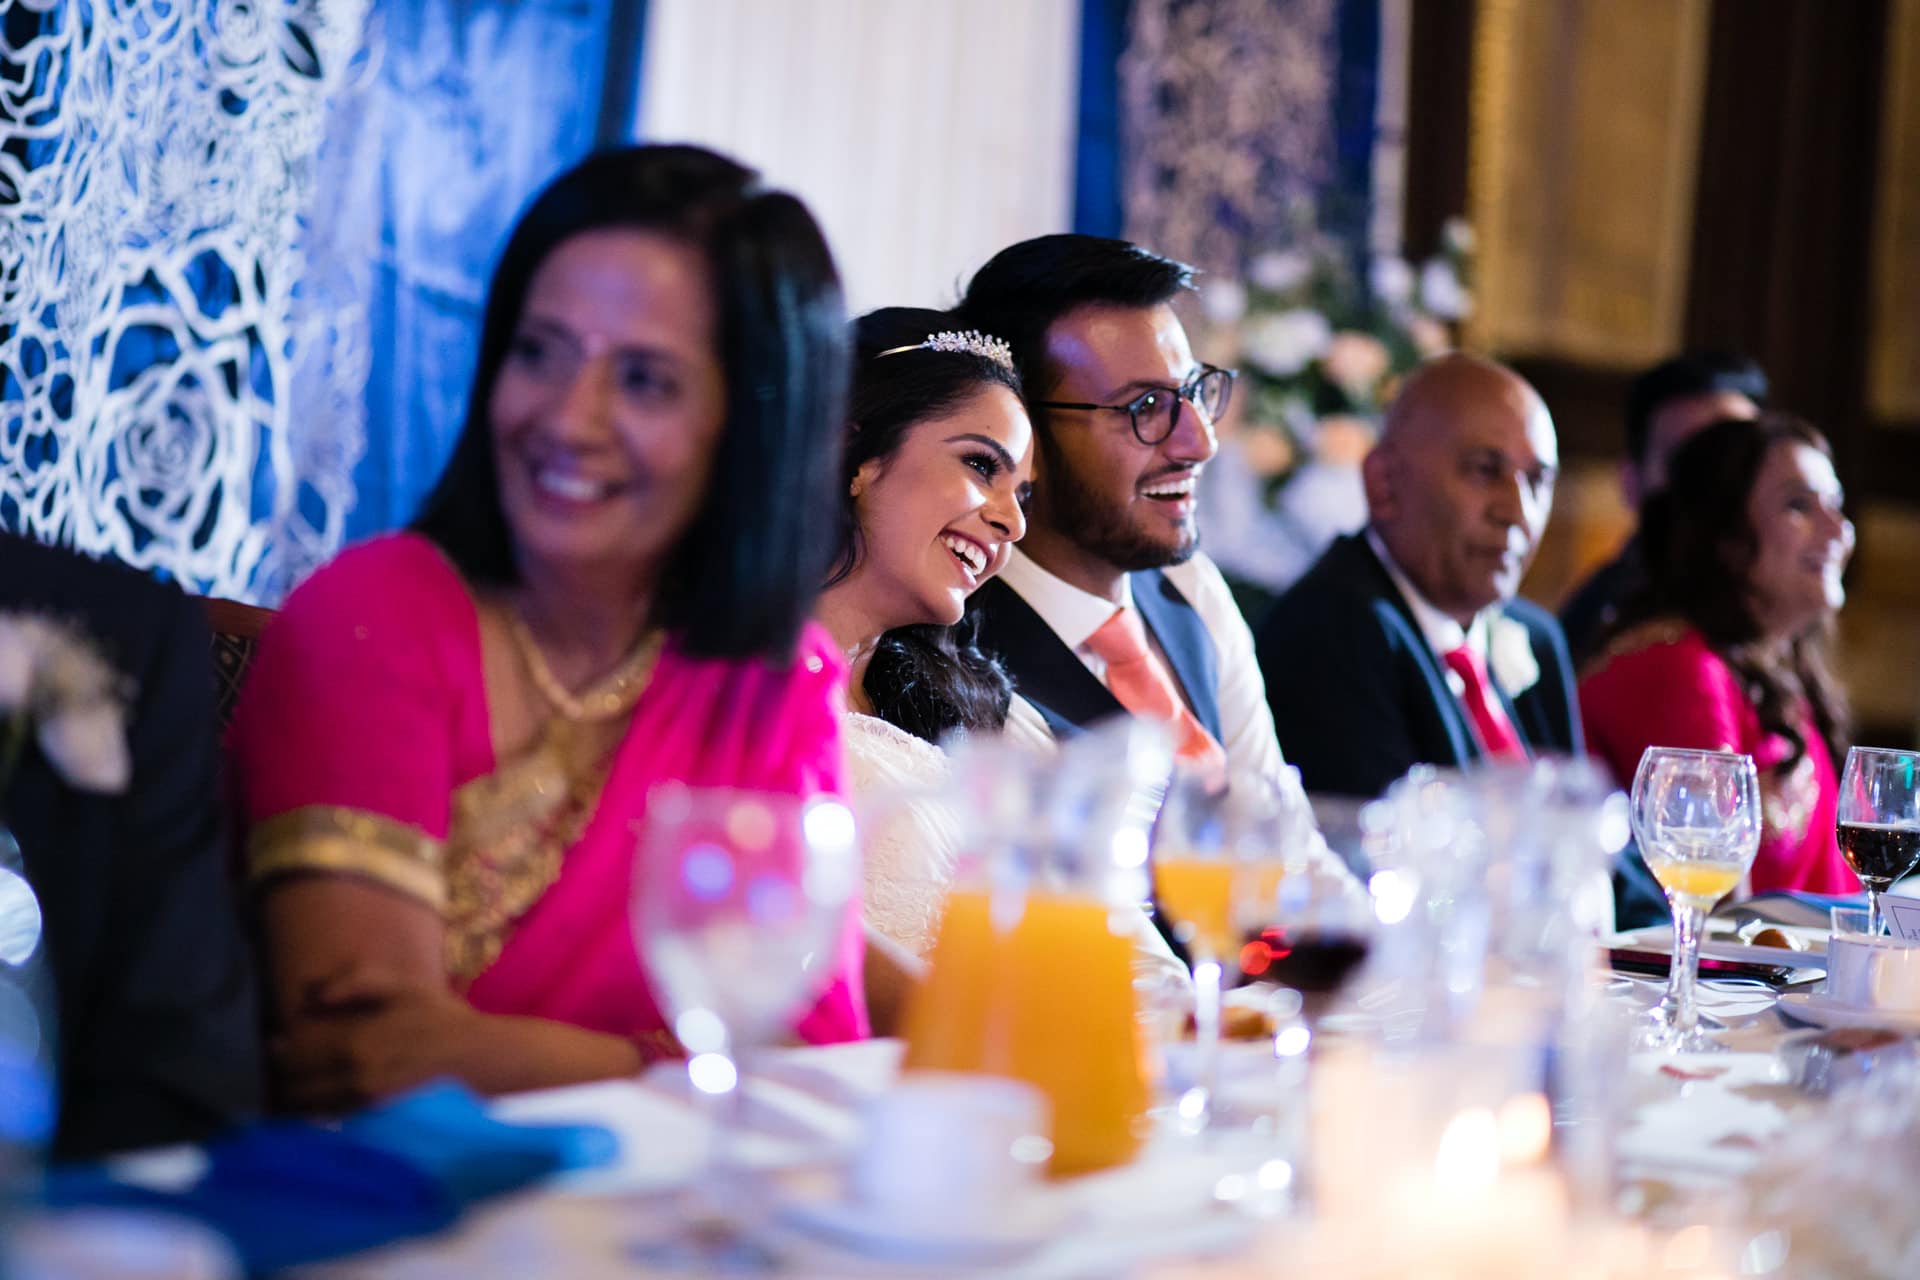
(1816, 1009)
(1726, 947)
(822, 1212)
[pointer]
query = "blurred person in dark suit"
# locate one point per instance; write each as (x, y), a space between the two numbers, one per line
(157, 1024)
(1666, 406)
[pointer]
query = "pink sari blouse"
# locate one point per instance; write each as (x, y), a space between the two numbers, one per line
(1661, 684)
(361, 746)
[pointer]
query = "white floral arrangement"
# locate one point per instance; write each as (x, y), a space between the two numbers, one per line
(1323, 336)
(57, 686)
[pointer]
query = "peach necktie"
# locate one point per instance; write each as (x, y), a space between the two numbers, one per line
(1141, 683)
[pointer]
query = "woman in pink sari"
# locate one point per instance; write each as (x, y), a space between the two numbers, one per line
(449, 735)
(1726, 647)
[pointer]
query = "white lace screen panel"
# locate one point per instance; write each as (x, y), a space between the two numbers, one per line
(925, 137)
(243, 247)
(181, 348)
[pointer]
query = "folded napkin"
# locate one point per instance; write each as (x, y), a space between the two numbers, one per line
(1793, 907)
(290, 1192)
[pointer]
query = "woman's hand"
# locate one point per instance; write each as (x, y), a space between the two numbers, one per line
(366, 1034)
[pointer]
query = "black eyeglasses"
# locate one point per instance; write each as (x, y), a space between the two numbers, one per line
(1156, 413)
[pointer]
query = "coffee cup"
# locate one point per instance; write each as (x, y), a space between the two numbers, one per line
(1873, 973)
(950, 1148)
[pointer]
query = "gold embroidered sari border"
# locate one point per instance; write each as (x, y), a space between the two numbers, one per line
(352, 841)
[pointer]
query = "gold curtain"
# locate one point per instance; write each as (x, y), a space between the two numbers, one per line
(1893, 377)
(1585, 131)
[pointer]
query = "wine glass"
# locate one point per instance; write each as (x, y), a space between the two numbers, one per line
(739, 903)
(1309, 932)
(1879, 820)
(1697, 817)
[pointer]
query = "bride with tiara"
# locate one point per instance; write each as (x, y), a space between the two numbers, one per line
(937, 462)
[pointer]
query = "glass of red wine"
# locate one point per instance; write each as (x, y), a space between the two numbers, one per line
(1317, 936)
(1879, 820)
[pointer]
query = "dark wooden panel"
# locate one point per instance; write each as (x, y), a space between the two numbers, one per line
(1587, 405)
(1784, 208)
(1439, 84)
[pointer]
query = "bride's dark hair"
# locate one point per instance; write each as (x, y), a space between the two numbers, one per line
(927, 679)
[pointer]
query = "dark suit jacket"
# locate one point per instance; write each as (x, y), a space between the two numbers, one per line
(1051, 676)
(1359, 697)
(158, 1029)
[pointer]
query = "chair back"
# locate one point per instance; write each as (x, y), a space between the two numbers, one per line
(236, 631)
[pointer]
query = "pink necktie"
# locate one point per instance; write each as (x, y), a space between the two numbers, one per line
(1141, 683)
(1490, 723)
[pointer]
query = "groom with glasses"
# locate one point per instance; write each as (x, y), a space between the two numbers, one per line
(1107, 604)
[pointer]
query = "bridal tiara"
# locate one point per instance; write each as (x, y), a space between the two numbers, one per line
(969, 341)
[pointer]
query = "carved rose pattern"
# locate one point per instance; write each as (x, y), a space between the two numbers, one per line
(181, 374)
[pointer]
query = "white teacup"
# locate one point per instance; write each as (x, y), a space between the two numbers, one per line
(1873, 973)
(951, 1147)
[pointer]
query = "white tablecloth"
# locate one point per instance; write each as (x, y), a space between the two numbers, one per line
(1692, 1122)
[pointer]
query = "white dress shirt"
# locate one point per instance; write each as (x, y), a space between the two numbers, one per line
(1246, 722)
(1443, 633)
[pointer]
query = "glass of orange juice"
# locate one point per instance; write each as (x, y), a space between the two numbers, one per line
(1039, 986)
(1031, 972)
(1217, 863)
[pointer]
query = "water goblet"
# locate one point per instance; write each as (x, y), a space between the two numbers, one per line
(739, 903)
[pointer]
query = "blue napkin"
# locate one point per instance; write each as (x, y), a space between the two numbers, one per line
(290, 1192)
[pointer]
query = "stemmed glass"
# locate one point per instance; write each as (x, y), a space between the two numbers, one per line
(1217, 864)
(1214, 848)
(1879, 820)
(739, 903)
(1697, 817)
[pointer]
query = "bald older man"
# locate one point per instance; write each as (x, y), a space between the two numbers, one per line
(1405, 644)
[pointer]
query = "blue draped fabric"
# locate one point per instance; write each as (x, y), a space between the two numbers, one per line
(1097, 207)
(481, 102)
(1356, 97)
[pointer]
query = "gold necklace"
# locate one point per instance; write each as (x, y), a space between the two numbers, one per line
(612, 696)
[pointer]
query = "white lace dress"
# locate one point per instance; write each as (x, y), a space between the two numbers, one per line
(912, 838)
(913, 842)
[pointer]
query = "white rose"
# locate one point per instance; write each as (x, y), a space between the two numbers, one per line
(1391, 280)
(87, 744)
(1510, 656)
(1223, 301)
(1430, 337)
(1442, 293)
(1282, 344)
(1279, 270)
(1356, 361)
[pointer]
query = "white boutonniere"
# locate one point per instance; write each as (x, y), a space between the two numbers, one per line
(56, 685)
(1510, 656)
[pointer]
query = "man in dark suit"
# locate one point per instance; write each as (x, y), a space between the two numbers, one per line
(1666, 406)
(1405, 644)
(1108, 604)
(157, 1024)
